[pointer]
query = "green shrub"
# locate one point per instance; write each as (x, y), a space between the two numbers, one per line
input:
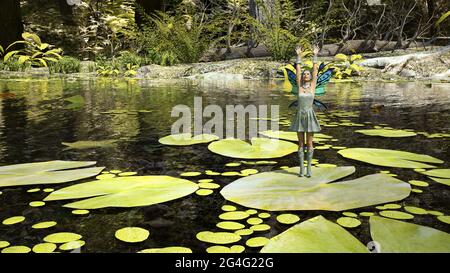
(13, 65)
(35, 52)
(346, 66)
(66, 65)
(179, 38)
(126, 57)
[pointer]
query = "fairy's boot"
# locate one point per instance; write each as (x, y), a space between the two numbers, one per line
(301, 157)
(309, 156)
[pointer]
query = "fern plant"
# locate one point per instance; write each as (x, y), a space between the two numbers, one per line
(35, 52)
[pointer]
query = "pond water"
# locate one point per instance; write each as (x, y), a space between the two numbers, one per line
(36, 116)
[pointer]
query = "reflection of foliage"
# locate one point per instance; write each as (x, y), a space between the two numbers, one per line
(35, 52)
(179, 37)
(346, 66)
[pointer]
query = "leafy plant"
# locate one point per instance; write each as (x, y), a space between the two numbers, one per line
(35, 52)
(346, 66)
(130, 70)
(179, 37)
(66, 65)
(108, 71)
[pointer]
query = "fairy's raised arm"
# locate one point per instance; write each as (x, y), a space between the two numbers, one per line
(298, 67)
(315, 69)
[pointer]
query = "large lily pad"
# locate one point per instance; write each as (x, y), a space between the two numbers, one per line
(442, 173)
(90, 144)
(284, 190)
(316, 235)
(49, 172)
(386, 133)
(398, 236)
(389, 158)
(259, 148)
(132, 191)
(445, 181)
(187, 139)
(292, 136)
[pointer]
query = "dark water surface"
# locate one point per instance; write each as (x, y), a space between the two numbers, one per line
(35, 118)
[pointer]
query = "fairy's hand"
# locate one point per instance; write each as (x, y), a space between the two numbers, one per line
(299, 50)
(316, 50)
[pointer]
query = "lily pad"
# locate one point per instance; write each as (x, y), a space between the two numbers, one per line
(170, 249)
(416, 210)
(315, 235)
(254, 221)
(401, 237)
(389, 158)
(132, 234)
(228, 208)
(244, 232)
(44, 248)
(36, 204)
(348, 222)
(204, 192)
(72, 245)
(230, 225)
(131, 191)
(187, 139)
(49, 172)
(62, 237)
(218, 237)
(90, 144)
(442, 173)
(288, 218)
(13, 220)
(386, 133)
(260, 227)
(42, 225)
(418, 183)
(234, 215)
(4, 244)
(259, 148)
(224, 249)
(80, 211)
(16, 249)
(285, 190)
(396, 214)
(444, 219)
(257, 242)
(445, 181)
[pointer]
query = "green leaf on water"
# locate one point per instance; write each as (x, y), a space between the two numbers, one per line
(49, 172)
(128, 191)
(285, 190)
(315, 235)
(389, 158)
(400, 237)
(258, 148)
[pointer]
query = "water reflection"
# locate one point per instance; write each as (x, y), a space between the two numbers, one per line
(35, 119)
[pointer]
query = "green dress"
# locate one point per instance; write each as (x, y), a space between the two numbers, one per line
(305, 119)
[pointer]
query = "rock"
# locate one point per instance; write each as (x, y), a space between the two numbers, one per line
(38, 71)
(218, 76)
(408, 73)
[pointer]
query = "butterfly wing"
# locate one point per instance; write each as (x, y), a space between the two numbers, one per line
(322, 106)
(322, 80)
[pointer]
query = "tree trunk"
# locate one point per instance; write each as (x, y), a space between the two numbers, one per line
(147, 6)
(66, 12)
(10, 22)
